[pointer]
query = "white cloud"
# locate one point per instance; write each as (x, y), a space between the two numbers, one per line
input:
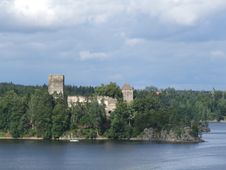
(134, 41)
(48, 12)
(26, 13)
(185, 12)
(38, 12)
(87, 55)
(218, 54)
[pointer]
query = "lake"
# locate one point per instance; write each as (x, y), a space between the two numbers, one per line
(107, 155)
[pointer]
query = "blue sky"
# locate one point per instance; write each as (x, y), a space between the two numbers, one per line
(165, 43)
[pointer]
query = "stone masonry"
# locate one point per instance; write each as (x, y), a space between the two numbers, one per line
(56, 84)
(109, 103)
(127, 92)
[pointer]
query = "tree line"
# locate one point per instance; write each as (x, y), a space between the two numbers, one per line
(31, 111)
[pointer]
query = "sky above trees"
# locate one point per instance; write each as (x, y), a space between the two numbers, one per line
(176, 43)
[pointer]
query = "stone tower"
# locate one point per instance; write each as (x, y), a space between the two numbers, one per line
(127, 92)
(56, 84)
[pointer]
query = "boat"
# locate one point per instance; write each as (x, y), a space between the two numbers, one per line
(74, 140)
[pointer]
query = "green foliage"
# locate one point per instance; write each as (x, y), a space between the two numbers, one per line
(89, 133)
(18, 89)
(88, 115)
(40, 112)
(166, 110)
(6, 109)
(195, 129)
(111, 90)
(79, 91)
(121, 122)
(60, 118)
(31, 111)
(13, 114)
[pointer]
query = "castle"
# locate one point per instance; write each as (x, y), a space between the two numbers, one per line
(56, 85)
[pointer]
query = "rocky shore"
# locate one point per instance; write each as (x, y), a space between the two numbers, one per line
(168, 136)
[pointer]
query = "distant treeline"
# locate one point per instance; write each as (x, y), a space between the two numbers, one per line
(31, 111)
(69, 90)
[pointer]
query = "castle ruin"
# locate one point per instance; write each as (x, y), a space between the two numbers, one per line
(108, 102)
(127, 92)
(56, 85)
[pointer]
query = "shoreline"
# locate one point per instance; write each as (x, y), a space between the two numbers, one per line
(215, 121)
(23, 138)
(104, 139)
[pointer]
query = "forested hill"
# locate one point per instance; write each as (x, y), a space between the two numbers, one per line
(30, 111)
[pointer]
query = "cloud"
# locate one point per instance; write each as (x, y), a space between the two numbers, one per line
(36, 12)
(218, 54)
(145, 42)
(134, 41)
(87, 55)
(182, 12)
(58, 12)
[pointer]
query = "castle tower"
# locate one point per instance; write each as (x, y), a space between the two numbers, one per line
(56, 84)
(127, 92)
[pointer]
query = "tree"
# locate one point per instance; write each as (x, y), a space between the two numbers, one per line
(6, 109)
(40, 112)
(19, 123)
(121, 122)
(90, 117)
(97, 114)
(111, 90)
(12, 114)
(77, 112)
(60, 118)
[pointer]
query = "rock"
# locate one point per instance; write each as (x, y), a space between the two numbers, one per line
(204, 127)
(170, 136)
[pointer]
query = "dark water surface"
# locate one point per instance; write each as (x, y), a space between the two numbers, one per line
(36, 155)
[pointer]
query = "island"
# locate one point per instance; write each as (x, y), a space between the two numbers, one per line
(65, 112)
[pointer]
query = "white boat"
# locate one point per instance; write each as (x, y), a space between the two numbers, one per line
(74, 140)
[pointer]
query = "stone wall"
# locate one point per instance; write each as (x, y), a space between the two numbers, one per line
(72, 100)
(110, 103)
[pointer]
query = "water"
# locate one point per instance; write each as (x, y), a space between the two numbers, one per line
(37, 155)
